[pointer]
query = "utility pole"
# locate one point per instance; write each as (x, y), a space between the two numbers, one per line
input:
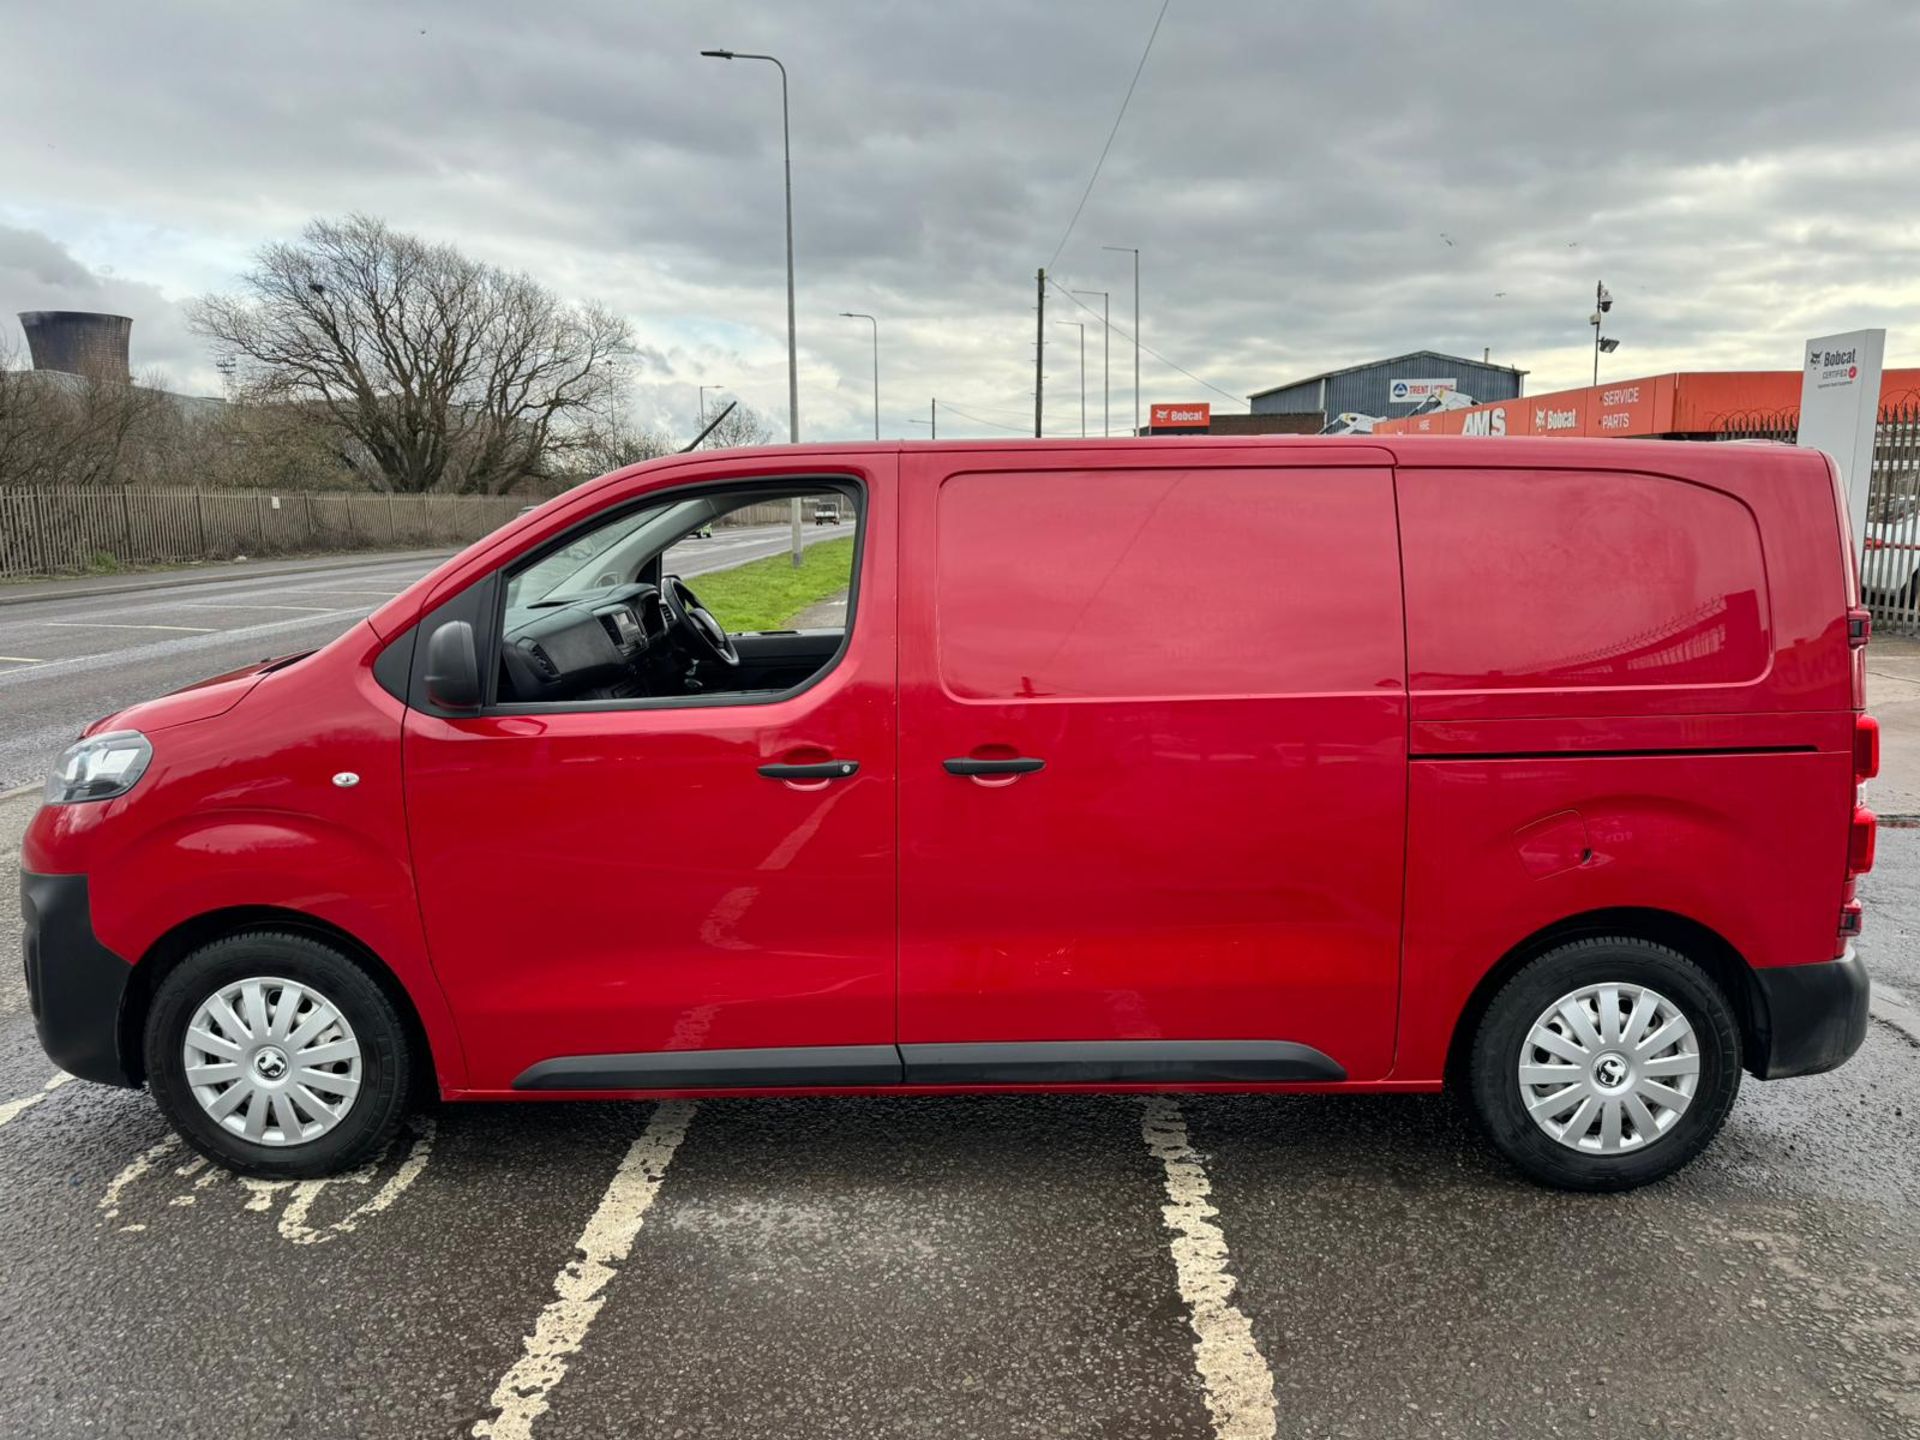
(1039, 346)
(1135, 252)
(932, 422)
(1106, 359)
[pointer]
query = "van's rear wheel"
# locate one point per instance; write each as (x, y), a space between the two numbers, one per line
(276, 1055)
(1605, 1064)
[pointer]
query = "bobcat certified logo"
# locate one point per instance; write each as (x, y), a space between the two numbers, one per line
(1545, 422)
(1832, 368)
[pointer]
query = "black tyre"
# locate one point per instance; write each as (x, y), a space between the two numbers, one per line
(276, 1055)
(1605, 1064)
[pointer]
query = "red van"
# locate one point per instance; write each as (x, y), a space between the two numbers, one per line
(1529, 768)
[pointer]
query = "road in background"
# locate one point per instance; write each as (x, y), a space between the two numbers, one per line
(66, 660)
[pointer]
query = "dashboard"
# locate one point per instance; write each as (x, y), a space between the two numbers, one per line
(596, 646)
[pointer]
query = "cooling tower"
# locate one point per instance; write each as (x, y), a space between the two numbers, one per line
(79, 342)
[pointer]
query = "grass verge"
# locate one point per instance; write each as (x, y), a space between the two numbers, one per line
(767, 594)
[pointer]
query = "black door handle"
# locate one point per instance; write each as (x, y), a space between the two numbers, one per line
(1019, 765)
(823, 770)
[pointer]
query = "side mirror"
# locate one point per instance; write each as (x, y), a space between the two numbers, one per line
(453, 667)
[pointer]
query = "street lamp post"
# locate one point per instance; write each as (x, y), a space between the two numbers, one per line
(856, 315)
(1602, 302)
(1080, 325)
(1134, 251)
(1106, 360)
(793, 348)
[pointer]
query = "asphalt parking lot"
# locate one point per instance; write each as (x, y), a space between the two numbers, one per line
(995, 1267)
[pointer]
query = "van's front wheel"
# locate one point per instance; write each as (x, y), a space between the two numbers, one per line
(1605, 1064)
(276, 1055)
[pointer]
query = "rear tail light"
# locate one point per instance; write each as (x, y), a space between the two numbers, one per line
(1859, 625)
(1862, 835)
(1860, 842)
(1850, 921)
(1866, 747)
(1849, 927)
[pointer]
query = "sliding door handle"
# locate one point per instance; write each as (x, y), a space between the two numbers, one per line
(1018, 765)
(822, 770)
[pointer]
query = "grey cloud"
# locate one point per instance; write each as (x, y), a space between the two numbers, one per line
(1740, 173)
(38, 273)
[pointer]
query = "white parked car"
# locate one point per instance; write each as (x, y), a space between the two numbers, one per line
(1890, 564)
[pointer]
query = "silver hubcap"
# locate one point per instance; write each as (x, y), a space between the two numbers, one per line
(1609, 1068)
(272, 1060)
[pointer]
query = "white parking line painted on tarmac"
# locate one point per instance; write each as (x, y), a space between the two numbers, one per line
(109, 1206)
(294, 1224)
(20, 660)
(13, 1109)
(1238, 1383)
(580, 1288)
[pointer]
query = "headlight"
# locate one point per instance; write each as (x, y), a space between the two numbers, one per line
(99, 767)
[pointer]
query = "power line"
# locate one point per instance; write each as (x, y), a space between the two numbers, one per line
(1237, 399)
(990, 424)
(1111, 133)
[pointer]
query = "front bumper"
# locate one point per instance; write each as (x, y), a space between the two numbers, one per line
(75, 985)
(1810, 1018)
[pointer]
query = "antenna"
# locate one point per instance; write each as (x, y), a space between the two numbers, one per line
(695, 443)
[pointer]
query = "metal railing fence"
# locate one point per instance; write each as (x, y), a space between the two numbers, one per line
(63, 532)
(1890, 564)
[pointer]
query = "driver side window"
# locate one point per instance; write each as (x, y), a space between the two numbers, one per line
(693, 597)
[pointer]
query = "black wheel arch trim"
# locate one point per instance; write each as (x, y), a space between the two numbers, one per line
(76, 986)
(1811, 1017)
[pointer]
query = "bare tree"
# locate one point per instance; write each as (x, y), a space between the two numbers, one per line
(448, 374)
(615, 443)
(743, 426)
(72, 431)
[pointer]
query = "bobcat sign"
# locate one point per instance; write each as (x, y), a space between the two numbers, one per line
(1839, 404)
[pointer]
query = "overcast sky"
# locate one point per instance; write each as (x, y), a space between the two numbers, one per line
(1309, 185)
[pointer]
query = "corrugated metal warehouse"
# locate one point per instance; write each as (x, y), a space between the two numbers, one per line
(1386, 388)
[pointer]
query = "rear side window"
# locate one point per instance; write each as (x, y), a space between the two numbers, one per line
(1167, 583)
(1523, 579)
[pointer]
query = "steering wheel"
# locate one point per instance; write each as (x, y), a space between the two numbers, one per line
(691, 621)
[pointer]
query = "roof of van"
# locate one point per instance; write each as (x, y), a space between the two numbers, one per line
(1546, 452)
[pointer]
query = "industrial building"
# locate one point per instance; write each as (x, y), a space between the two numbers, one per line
(80, 342)
(1386, 388)
(1686, 405)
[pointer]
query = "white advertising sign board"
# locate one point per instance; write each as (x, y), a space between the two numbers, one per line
(1412, 392)
(1839, 403)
